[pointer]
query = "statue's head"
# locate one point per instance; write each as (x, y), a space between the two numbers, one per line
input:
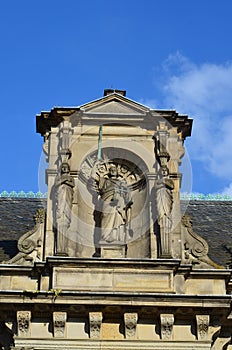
(113, 171)
(65, 168)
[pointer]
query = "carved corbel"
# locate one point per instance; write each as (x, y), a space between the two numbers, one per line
(202, 326)
(24, 323)
(167, 321)
(46, 145)
(95, 324)
(59, 323)
(65, 137)
(130, 321)
(161, 137)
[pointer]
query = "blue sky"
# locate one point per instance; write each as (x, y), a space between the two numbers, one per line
(166, 54)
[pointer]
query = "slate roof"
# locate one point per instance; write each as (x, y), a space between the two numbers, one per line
(211, 219)
(16, 218)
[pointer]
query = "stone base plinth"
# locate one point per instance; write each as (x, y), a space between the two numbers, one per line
(113, 250)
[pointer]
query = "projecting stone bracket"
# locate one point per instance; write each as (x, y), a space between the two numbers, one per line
(95, 324)
(202, 326)
(59, 324)
(130, 321)
(24, 323)
(167, 321)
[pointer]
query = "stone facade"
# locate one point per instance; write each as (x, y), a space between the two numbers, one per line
(112, 263)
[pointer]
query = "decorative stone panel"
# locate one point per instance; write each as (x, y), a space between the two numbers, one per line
(95, 323)
(202, 326)
(130, 321)
(59, 324)
(167, 321)
(24, 323)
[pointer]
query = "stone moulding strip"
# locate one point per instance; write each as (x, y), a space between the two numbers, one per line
(126, 344)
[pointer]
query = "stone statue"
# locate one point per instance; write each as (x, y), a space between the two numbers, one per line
(115, 205)
(164, 202)
(64, 185)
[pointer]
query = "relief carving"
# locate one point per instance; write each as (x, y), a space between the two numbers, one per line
(59, 323)
(24, 323)
(64, 185)
(167, 321)
(130, 321)
(202, 326)
(196, 248)
(95, 323)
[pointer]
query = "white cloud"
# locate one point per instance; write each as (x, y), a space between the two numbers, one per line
(204, 92)
(228, 190)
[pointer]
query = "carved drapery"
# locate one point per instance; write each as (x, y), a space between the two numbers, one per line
(64, 184)
(167, 321)
(95, 324)
(59, 323)
(130, 321)
(202, 326)
(24, 323)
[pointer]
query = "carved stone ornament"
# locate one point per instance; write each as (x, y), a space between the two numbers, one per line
(202, 326)
(39, 217)
(196, 248)
(130, 321)
(24, 323)
(59, 323)
(167, 321)
(95, 323)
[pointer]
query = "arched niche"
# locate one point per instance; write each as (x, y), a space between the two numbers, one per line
(85, 230)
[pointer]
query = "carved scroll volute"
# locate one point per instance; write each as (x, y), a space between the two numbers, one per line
(59, 324)
(24, 323)
(95, 324)
(167, 321)
(130, 321)
(202, 326)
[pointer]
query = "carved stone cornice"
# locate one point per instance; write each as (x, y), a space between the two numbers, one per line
(167, 321)
(59, 323)
(130, 321)
(95, 323)
(24, 323)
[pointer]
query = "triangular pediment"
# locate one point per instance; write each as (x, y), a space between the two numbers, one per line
(114, 104)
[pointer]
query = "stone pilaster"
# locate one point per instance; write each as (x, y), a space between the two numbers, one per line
(95, 323)
(130, 321)
(167, 321)
(59, 324)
